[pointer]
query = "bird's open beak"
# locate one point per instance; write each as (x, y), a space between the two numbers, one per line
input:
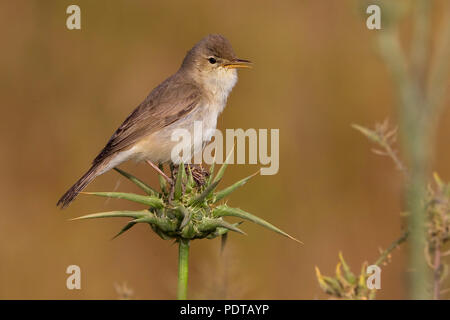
(238, 63)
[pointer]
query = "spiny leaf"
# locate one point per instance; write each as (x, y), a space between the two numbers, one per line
(222, 169)
(229, 226)
(151, 219)
(224, 210)
(160, 233)
(178, 183)
(128, 226)
(222, 231)
(165, 225)
(115, 214)
(147, 189)
(211, 170)
(212, 224)
(225, 192)
(208, 190)
(150, 201)
(186, 216)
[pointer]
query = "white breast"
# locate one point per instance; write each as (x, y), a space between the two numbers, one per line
(219, 84)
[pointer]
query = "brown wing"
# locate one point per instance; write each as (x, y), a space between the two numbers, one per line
(171, 100)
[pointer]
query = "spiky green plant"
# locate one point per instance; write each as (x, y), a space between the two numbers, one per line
(184, 212)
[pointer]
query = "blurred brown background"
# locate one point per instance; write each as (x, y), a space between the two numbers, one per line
(316, 72)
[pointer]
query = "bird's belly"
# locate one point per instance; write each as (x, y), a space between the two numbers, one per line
(158, 146)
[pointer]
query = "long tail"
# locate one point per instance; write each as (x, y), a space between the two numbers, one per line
(72, 193)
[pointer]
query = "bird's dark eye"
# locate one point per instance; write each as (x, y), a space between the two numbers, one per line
(212, 60)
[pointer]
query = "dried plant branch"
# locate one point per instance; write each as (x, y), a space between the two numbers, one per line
(384, 136)
(385, 254)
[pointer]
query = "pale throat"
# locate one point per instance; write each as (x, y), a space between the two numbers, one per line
(218, 84)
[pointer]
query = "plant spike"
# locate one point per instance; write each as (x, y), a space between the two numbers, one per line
(211, 170)
(225, 192)
(224, 210)
(208, 224)
(222, 169)
(115, 214)
(222, 231)
(150, 201)
(128, 226)
(230, 226)
(147, 189)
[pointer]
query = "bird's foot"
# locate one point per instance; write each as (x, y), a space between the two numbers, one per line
(199, 174)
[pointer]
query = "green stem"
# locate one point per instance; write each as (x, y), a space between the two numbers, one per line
(183, 266)
(416, 132)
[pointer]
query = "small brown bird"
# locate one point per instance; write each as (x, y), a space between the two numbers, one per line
(198, 91)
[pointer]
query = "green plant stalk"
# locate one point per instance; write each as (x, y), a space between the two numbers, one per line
(183, 267)
(416, 132)
(415, 195)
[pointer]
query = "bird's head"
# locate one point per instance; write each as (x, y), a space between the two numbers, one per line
(212, 61)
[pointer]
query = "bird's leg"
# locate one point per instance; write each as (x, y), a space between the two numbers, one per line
(154, 166)
(172, 186)
(173, 171)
